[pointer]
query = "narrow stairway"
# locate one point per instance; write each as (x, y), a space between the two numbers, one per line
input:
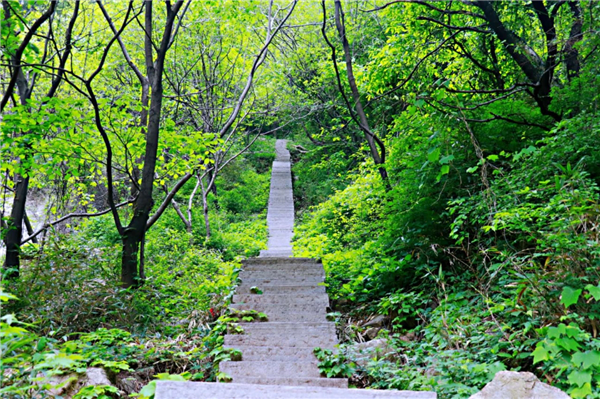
(277, 355)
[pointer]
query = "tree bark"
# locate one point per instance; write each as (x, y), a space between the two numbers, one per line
(14, 233)
(378, 158)
(576, 35)
(538, 72)
(205, 209)
(133, 234)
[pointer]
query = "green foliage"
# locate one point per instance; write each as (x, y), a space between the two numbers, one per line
(96, 392)
(333, 365)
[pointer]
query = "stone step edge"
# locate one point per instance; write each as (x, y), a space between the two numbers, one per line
(214, 390)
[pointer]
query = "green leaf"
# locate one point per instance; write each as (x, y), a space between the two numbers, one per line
(149, 390)
(5, 296)
(434, 154)
(446, 159)
(593, 291)
(569, 296)
(579, 378)
(540, 354)
(567, 343)
(581, 392)
(445, 169)
(586, 359)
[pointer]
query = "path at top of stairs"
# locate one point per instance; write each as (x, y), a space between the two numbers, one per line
(280, 212)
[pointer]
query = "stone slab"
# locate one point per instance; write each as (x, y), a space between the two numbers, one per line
(212, 390)
(252, 352)
(307, 381)
(270, 368)
(282, 299)
(283, 289)
(324, 340)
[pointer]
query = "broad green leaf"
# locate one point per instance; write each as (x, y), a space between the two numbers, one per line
(434, 155)
(148, 391)
(540, 354)
(569, 296)
(579, 378)
(593, 291)
(581, 392)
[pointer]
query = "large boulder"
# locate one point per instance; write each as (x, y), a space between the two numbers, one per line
(518, 385)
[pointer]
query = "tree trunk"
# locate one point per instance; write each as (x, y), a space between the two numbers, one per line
(378, 158)
(129, 259)
(205, 209)
(133, 234)
(14, 232)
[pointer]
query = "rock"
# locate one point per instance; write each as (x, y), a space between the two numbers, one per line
(376, 321)
(146, 373)
(128, 383)
(518, 385)
(96, 376)
(372, 332)
(59, 385)
(409, 337)
(133, 381)
(364, 352)
(67, 385)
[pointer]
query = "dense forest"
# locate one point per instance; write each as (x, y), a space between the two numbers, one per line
(446, 162)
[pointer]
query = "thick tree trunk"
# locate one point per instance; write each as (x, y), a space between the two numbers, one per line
(14, 232)
(129, 259)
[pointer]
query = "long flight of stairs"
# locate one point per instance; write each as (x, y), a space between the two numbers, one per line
(277, 355)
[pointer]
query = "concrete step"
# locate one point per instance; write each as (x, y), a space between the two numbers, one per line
(293, 280)
(308, 269)
(275, 308)
(282, 299)
(275, 254)
(278, 274)
(314, 382)
(287, 266)
(282, 289)
(270, 368)
(213, 390)
(283, 261)
(288, 341)
(277, 353)
(304, 317)
(288, 315)
(283, 327)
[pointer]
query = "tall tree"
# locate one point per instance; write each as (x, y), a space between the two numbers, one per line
(26, 86)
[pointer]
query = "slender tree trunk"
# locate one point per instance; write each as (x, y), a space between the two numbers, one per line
(205, 209)
(378, 158)
(14, 231)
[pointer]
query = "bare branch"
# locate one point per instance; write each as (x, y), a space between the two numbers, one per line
(73, 215)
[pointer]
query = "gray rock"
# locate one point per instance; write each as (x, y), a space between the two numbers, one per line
(67, 385)
(518, 385)
(372, 332)
(377, 321)
(364, 352)
(96, 376)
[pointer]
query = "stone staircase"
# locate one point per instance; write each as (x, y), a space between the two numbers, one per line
(280, 351)
(277, 355)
